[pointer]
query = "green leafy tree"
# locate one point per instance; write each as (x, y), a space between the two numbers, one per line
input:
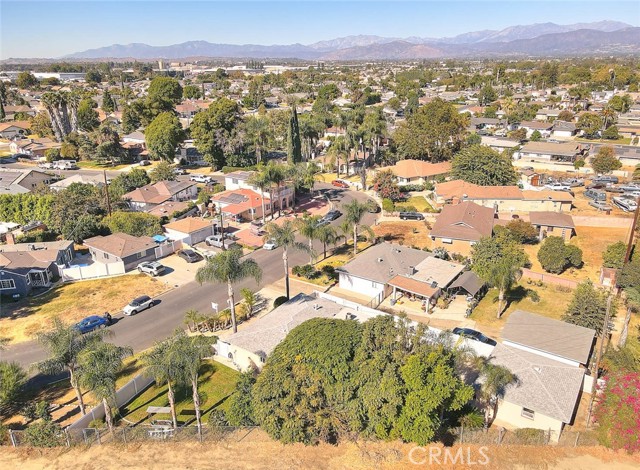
(613, 256)
(494, 381)
(621, 104)
(434, 132)
(555, 256)
(294, 145)
(487, 95)
(164, 89)
(41, 125)
(163, 136)
(535, 136)
(93, 77)
(108, 105)
(138, 224)
(73, 202)
(311, 367)
(240, 411)
(64, 344)
(326, 235)
(228, 267)
(354, 212)
(191, 92)
(611, 133)
(87, 115)
(163, 171)
(498, 261)
(214, 129)
(483, 166)
(285, 236)
(99, 366)
(26, 80)
(308, 228)
(590, 124)
(522, 231)
(588, 307)
(605, 161)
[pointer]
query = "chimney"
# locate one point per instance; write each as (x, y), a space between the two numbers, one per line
(11, 239)
(411, 270)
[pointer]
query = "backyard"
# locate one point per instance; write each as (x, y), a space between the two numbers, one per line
(21, 320)
(216, 384)
(553, 302)
(419, 203)
(409, 233)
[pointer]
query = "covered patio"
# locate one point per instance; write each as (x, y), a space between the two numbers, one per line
(414, 291)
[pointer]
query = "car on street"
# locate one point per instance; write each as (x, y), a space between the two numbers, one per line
(411, 216)
(340, 183)
(189, 256)
(332, 215)
(200, 178)
(180, 171)
(144, 163)
(270, 245)
(91, 323)
(152, 268)
(138, 304)
(473, 334)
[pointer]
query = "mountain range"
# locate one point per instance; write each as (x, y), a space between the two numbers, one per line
(542, 39)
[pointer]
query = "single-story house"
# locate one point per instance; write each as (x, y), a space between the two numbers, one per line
(369, 273)
(11, 110)
(11, 130)
(95, 180)
(190, 230)
(544, 114)
(13, 181)
(544, 128)
(242, 204)
(33, 147)
(25, 266)
(136, 137)
(503, 198)
(166, 209)
(188, 153)
(149, 196)
(564, 129)
(629, 155)
(553, 224)
(551, 152)
(250, 347)
(121, 248)
(459, 226)
(499, 144)
(417, 171)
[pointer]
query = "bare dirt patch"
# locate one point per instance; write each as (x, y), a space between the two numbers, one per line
(408, 233)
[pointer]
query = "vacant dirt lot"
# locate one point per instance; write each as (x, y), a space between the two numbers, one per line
(259, 454)
(405, 232)
(72, 302)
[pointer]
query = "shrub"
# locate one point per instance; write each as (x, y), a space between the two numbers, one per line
(279, 301)
(329, 271)
(307, 271)
(555, 256)
(387, 205)
(613, 256)
(618, 412)
(429, 186)
(522, 231)
(530, 436)
(407, 208)
(44, 433)
(533, 295)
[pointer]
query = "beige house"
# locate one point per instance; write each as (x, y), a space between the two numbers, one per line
(554, 224)
(459, 226)
(417, 171)
(190, 230)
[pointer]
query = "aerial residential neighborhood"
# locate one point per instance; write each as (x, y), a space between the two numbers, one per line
(414, 244)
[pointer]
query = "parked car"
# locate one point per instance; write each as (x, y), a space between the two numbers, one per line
(180, 171)
(256, 228)
(45, 165)
(558, 186)
(411, 216)
(606, 179)
(626, 203)
(575, 182)
(91, 323)
(151, 267)
(332, 215)
(200, 178)
(64, 165)
(340, 183)
(630, 187)
(144, 163)
(601, 206)
(189, 256)
(138, 304)
(595, 194)
(373, 208)
(270, 245)
(219, 242)
(473, 334)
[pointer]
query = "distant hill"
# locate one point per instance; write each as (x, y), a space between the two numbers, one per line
(541, 39)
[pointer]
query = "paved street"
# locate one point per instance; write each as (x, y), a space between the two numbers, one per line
(142, 330)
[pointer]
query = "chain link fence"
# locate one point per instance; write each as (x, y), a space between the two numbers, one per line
(526, 437)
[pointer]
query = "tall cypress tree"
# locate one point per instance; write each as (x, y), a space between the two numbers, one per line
(108, 106)
(294, 145)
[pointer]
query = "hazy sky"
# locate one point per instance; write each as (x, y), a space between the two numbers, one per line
(53, 28)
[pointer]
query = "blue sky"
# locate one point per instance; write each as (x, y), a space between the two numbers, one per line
(52, 28)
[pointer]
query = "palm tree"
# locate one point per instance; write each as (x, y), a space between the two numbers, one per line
(275, 175)
(608, 116)
(64, 344)
(260, 181)
(99, 368)
(192, 317)
(191, 350)
(258, 132)
(495, 380)
(346, 229)
(326, 235)
(308, 228)
(164, 367)
(285, 236)
(354, 211)
(502, 276)
(228, 267)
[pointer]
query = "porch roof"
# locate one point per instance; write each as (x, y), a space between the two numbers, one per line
(414, 286)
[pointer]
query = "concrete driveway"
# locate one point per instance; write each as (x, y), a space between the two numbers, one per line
(178, 272)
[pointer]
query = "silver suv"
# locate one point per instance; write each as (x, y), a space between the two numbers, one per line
(138, 304)
(152, 268)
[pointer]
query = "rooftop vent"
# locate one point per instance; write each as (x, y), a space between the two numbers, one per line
(434, 284)
(380, 260)
(316, 307)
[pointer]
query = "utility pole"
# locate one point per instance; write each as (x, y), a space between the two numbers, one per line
(633, 230)
(106, 190)
(605, 333)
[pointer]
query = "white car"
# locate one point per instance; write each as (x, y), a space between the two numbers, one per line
(200, 178)
(558, 187)
(151, 267)
(270, 245)
(138, 304)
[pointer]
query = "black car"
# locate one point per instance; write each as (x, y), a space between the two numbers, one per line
(473, 334)
(373, 208)
(332, 215)
(189, 256)
(411, 216)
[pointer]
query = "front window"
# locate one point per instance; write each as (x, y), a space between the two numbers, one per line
(7, 284)
(527, 413)
(142, 254)
(105, 255)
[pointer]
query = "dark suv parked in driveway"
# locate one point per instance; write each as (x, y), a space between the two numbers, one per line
(189, 256)
(473, 334)
(411, 216)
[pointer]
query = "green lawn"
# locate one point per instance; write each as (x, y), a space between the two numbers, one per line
(621, 141)
(217, 383)
(100, 166)
(419, 202)
(553, 302)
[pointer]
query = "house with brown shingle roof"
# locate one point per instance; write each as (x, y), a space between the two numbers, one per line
(549, 224)
(459, 226)
(190, 230)
(149, 196)
(417, 171)
(9, 130)
(121, 248)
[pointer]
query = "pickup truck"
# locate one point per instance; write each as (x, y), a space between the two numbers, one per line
(200, 178)
(217, 241)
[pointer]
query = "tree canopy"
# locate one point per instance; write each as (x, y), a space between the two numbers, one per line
(484, 166)
(163, 136)
(555, 256)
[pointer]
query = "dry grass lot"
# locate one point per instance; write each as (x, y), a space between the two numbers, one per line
(592, 241)
(553, 303)
(409, 233)
(20, 321)
(257, 451)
